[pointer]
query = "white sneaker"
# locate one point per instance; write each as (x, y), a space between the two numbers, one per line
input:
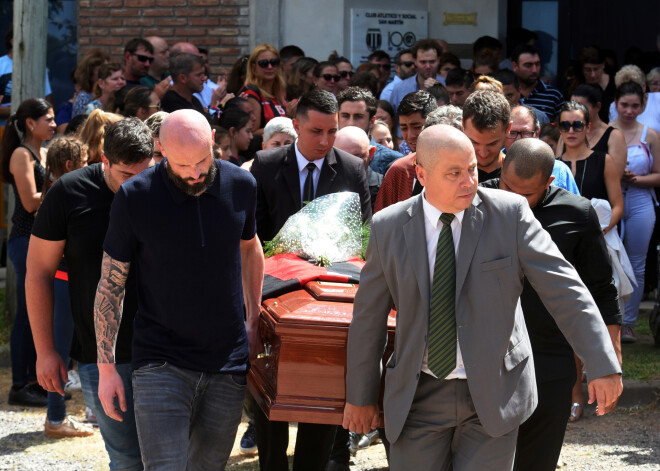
(74, 381)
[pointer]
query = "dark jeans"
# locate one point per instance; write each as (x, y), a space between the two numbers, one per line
(23, 354)
(186, 419)
(63, 333)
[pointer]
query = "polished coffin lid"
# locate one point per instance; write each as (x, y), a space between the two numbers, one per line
(302, 376)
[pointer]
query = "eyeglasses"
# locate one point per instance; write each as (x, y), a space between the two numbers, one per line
(345, 74)
(519, 134)
(331, 78)
(566, 126)
(263, 63)
(142, 58)
(408, 63)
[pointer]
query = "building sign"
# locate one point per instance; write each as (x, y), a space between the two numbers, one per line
(389, 30)
(460, 19)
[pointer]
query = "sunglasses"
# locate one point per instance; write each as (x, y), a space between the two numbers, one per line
(566, 126)
(331, 78)
(408, 63)
(345, 74)
(263, 63)
(142, 58)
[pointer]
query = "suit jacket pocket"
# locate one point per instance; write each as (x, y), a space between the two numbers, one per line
(496, 264)
(516, 355)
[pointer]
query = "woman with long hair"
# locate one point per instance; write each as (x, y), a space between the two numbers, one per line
(93, 130)
(641, 176)
(22, 160)
(301, 78)
(597, 176)
(140, 102)
(264, 87)
(326, 76)
(110, 80)
(86, 75)
(237, 122)
(601, 136)
(345, 69)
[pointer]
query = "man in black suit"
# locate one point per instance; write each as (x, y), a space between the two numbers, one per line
(282, 173)
(287, 177)
(573, 225)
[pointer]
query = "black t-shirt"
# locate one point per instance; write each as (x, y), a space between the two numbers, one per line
(186, 251)
(484, 176)
(172, 101)
(77, 209)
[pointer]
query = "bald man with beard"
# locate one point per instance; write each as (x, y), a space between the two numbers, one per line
(188, 225)
(452, 260)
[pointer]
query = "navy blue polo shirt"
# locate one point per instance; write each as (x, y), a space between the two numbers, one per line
(186, 252)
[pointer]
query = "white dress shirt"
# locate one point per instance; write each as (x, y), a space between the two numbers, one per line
(433, 227)
(302, 170)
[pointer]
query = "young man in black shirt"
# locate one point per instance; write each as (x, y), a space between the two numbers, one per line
(188, 76)
(72, 221)
(573, 225)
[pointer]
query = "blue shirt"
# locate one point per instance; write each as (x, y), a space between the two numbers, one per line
(383, 157)
(564, 177)
(186, 252)
(406, 86)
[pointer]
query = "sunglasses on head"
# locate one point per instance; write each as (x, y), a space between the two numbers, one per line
(142, 58)
(263, 63)
(408, 63)
(566, 126)
(331, 78)
(345, 74)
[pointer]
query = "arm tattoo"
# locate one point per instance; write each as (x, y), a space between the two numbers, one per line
(108, 306)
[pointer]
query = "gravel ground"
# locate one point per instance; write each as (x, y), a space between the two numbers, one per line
(628, 439)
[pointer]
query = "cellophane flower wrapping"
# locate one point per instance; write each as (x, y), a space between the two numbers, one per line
(327, 229)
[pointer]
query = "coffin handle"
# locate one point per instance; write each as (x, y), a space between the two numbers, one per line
(266, 352)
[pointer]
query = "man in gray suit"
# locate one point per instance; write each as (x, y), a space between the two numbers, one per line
(455, 401)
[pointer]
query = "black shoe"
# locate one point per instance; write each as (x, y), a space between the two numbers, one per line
(26, 396)
(248, 444)
(335, 466)
(67, 395)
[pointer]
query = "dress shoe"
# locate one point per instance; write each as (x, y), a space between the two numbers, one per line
(69, 427)
(353, 440)
(26, 396)
(368, 438)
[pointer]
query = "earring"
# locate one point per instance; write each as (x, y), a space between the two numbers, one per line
(31, 128)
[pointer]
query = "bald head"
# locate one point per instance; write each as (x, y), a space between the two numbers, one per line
(185, 129)
(526, 114)
(184, 47)
(436, 139)
(161, 60)
(528, 158)
(355, 141)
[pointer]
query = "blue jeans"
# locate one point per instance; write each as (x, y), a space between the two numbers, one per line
(23, 354)
(63, 333)
(121, 440)
(186, 419)
(638, 220)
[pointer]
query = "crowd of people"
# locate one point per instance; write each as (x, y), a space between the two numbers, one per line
(153, 146)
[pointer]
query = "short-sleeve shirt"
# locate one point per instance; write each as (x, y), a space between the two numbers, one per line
(186, 251)
(172, 102)
(77, 209)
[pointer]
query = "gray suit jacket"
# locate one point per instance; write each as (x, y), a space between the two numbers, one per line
(501, 242)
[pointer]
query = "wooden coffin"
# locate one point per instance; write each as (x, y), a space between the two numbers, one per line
(301, 375)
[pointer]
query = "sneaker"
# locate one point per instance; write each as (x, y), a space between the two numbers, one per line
(353, 443)
(368, 438)
(26, 396)
(249, 441)
(69, 427)
(628, 334)
(90, 418)
(74, 382)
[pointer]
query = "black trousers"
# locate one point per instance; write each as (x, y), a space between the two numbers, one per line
(540, 438)
(313, 444)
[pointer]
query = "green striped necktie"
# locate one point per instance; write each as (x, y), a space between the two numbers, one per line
(442, 316)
